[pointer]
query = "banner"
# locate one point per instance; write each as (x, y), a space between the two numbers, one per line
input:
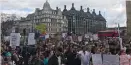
(97, 59)
(14, 39)
(31, 40)
(111, 59)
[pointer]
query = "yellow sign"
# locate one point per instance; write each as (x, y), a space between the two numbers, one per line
(41, 27)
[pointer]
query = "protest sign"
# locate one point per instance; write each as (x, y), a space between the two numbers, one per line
(97, 59)
(7, 38)
(79, 38)
(14, 39)
(95, 37)
(63, 35)
(110, 59)
(31, 40)
(86, 35)
(46, 36)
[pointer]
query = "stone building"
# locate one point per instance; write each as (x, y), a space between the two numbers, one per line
(81, 22)
(53, 19)
(128, 9)
(22, 24)
(9, 17)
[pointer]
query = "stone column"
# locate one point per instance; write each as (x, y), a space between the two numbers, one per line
(128, 9)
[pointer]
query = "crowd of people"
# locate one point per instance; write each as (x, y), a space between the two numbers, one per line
(60, 52)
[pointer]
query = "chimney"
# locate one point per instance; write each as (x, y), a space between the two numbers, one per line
(99, 12)
(88, 9)
(37, 9)
(64, 6)
(93, 10)
(56, 8)
(72, 4)
(81, 8)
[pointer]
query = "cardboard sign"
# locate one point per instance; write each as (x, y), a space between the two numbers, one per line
(97, 59)
(111, 59)
(31, 40)
(14, 39)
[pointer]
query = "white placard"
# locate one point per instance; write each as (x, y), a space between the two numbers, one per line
(95, 37)
(97, 59)
(14, 39)
(7, 38)
(86, 36)
(110, 59)
(46, 36)
(79, 38)
(31, 40)
(63, 35)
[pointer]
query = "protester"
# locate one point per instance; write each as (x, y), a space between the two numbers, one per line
(124, 59)
(85, 57)
(54, 51)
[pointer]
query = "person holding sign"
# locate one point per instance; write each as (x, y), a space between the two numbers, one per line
(85, 57)
(124, 59)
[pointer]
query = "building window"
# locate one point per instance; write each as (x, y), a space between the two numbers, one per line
(60, 29)
(51, 29)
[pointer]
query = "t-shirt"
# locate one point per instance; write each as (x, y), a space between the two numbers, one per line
(8, 54)
(85, 58)
(45, 61)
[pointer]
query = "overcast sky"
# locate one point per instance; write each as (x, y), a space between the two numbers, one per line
(113, 10)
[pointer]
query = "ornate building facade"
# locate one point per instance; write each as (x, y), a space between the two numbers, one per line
(53, 19)
(81, 22)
